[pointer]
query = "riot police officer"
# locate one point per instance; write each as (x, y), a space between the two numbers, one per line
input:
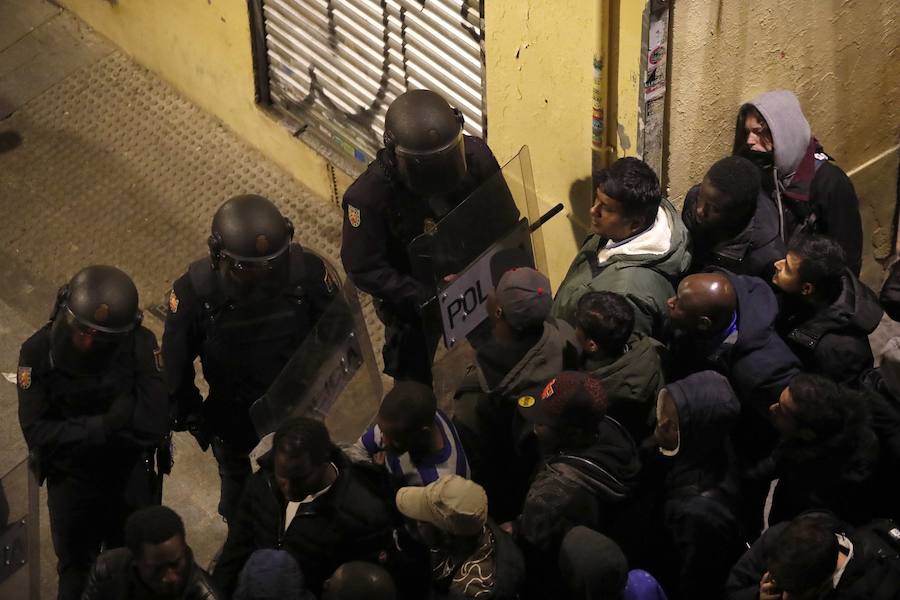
(92, 406)
(426, 168)
(244, 311)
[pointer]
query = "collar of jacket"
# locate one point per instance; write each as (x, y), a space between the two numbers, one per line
(799, 186)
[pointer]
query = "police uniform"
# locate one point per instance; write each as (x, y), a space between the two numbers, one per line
(95, 476)
(242, 349)
(381, 218)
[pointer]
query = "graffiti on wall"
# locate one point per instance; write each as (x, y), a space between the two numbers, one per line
(340, 63)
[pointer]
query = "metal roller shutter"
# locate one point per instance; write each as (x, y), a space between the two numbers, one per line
(336, 65)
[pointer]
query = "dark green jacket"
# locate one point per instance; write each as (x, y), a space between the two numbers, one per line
(646, 280)
(632, 382)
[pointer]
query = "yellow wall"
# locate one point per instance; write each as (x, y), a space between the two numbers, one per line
(837, 56)
(202, 47)
(539, 82)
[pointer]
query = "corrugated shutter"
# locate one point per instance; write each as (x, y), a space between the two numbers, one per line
(337, 64)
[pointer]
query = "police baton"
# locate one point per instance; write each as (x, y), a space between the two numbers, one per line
(545, 217)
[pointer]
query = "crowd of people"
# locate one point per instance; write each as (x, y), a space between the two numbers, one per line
(695, 413)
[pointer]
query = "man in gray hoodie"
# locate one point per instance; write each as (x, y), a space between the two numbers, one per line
(812, 194)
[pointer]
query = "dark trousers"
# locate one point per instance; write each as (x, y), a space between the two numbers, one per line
(88, 516)
(234, 470)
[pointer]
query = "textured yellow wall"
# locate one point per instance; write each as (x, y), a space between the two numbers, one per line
(539, 78)
(838, 56)
(202, 47)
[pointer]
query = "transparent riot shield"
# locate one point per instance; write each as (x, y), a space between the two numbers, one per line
(490, 231)
(332, 376)
(19, 535)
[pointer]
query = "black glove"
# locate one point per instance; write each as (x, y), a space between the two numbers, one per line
(195, 425)
(119, 414)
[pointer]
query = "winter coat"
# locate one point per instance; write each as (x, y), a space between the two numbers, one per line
(812, 194)
(700, 484)
(590, 487)
(759, 364)
(873, 573)
(646, 280)
(353, 520)
(113, 577)
(753, 251)
(835, 340)
(632, 382)
(484, 410)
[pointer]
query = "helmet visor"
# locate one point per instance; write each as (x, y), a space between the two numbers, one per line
(80, 347)
(434, 172)
(256, 277)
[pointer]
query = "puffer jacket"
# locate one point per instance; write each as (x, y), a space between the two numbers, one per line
(646, 280)
(632, 382)
(835, 340)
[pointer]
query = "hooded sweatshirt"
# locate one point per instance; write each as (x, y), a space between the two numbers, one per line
(700, 484)
(835, 340)
(812, 194)
(641, 272)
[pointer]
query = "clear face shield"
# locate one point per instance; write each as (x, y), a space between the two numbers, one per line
(83, 348)
(254, 279)
(437, 173)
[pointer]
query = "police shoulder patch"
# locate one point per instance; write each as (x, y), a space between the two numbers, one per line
(23, 377)
(173, 302)
(353, 216)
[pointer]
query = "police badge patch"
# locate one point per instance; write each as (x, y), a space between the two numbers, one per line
(173, 302)
(353, 216)
(23, 377)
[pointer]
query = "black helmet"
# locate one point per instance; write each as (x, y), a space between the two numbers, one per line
(250, 247)
(94, 314)
(424, 135)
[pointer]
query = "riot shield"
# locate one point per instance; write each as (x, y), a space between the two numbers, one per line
(332, 376)
(486, 233)
(19, 535)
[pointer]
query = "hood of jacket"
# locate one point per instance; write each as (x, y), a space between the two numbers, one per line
(757, 310)
(671, 262)
(609, 468)
(556, 349)
(856, 311)
(791, 134)
(633, 376)
(708, 409)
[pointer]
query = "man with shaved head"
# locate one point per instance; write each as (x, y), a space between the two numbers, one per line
(726, 322)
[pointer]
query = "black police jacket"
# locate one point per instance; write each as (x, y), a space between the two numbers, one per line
(381, 218)
(242, 350)
(62, 416)
(113, 577)
(353, 520)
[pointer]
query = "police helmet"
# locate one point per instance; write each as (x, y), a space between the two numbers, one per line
(424, 137)
(250, 247)
(93, 316)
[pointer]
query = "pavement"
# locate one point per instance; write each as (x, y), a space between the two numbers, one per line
(102, 162)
